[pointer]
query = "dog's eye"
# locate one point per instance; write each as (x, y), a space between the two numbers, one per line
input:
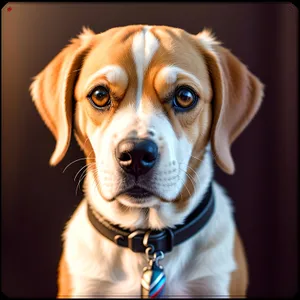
(184, 98)
(100, 97)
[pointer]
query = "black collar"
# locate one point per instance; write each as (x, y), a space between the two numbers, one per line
(162, 240)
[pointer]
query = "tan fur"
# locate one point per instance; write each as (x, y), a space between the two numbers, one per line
(64, 283)
(239, 278)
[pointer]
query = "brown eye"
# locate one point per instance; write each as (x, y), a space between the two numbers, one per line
(100, 97)
(184, 98)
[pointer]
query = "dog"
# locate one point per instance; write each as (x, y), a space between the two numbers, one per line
(152, 108)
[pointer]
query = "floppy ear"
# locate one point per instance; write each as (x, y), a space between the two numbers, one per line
(237, 95)
(52, 91)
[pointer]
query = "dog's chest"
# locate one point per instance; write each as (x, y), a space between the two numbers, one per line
(110, 270)
(125, 279)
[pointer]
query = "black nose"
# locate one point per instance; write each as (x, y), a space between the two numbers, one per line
(137, 156)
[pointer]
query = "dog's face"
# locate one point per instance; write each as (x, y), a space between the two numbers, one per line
(148, 100)
(144, 107)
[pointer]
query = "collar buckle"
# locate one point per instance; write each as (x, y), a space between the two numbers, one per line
(135, 243)
(139, 240)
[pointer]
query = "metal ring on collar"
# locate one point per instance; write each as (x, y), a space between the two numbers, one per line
(145, 243)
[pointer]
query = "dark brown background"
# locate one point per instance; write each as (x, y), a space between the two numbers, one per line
(37, 199)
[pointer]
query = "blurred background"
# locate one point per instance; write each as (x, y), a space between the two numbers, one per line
(37, 199)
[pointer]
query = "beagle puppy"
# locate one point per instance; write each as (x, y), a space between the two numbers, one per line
(153, 107)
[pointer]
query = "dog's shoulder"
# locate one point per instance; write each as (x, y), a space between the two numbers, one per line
(64, 279)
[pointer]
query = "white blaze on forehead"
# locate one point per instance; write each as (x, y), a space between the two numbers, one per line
(144, 46)
(170, 74)
(113, 73)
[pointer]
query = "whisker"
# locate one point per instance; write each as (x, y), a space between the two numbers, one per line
(80, 180)
(188, 190)
(77, 187)
(197, 158)
(193, 181)
(190, 178)
(194, 172)
(90, 166)
(188, 175)
(77, 161)
(88, 157)
(85, 166)
(85, 171)
(186, 187)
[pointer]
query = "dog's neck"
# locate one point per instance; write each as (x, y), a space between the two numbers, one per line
(166, 215)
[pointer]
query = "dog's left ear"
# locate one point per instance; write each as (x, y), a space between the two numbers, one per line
(52, 91)
(237, 95)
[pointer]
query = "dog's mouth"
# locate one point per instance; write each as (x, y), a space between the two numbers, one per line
(137, 192)
(136, 197)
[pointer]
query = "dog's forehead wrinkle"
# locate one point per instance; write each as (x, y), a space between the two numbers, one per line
(113, 73)
(171, 73)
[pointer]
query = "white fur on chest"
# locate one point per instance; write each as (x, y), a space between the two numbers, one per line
(99, 268)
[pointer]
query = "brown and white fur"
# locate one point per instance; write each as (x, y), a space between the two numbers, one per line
(141, 65)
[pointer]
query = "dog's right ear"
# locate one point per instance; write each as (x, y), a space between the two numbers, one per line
(237, 96)
(52, 91)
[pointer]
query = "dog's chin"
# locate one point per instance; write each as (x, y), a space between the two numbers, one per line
(146, 202)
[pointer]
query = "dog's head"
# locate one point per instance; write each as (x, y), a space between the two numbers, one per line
(148, 100)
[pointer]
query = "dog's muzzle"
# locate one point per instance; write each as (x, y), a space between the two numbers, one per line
(137, 156)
